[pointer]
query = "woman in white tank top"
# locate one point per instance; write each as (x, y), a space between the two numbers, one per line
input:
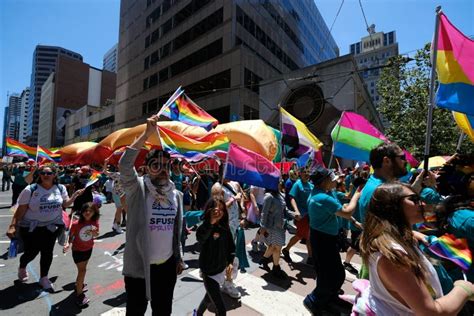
(402, 280)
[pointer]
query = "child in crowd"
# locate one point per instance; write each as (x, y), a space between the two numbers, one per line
(81, 238)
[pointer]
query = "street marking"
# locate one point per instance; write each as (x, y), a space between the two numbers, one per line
(116, 311)
(4, 241)
(117, 263)
(6, 215)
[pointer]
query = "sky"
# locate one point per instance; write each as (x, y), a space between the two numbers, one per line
(90, 27)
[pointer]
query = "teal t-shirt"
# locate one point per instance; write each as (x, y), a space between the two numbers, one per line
(301, 192)
(20, 177)
(322, 208)
(372, 183)
(177, 180)
(430, 196)
(343, 223)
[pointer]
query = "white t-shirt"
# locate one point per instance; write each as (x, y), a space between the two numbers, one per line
(109, 185)
(44, 205)
(259, 194)
(161, 217)
(233, 210)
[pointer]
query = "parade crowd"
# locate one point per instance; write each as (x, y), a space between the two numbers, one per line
(380, 210)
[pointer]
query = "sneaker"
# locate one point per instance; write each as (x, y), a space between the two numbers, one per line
(310, 261)
(350, 268)
(22, 275)
(286, 255)
(279, 273)
(254, 246)
(116, 228)
(229, 288)
(264, 262)
(82, 300)
(308, 303)
(124, 223)
(46, 283)
(262, 247)
(185, 266)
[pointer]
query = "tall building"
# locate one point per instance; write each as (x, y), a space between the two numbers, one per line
(372, 51)
(14, 110)
(73, 85)
(110, 60)
(4, 134)
(24, 98)
(217, 50)
(44, 63)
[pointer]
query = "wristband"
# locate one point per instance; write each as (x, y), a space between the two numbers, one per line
(468, 291)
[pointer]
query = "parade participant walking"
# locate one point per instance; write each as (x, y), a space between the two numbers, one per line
(402, 280)
(39, 218)
(21, 179)
(323, 210)
(299, 195)
(118, 196)
(152, 257)
(6, 177)
(217, 254)
(273, 229)
(81, 238)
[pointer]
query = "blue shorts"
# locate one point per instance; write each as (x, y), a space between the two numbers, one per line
(116, 199)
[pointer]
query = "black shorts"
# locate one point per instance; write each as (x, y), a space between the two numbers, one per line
(355, 237)
(81, 256)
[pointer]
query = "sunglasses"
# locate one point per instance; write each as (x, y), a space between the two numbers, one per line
(413, 197)
(402, 157)
(45, 173)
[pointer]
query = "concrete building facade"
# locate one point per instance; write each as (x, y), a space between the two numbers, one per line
(14, 110)
(24, 103)
(44, 63)
(371, 52)
(217, 50)
(110, 59)
(72, 86)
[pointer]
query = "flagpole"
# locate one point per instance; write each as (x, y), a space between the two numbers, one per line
(335, 141)
(171, 99)
(460, 140)
(429, 119)
(225, 165)
(282, 147)
(36, 159)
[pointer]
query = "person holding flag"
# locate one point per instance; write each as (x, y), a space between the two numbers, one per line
(80, 182)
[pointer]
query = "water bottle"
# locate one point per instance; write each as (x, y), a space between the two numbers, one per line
(13, 248)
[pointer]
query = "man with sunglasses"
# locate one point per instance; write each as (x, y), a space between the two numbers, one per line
(152, 258)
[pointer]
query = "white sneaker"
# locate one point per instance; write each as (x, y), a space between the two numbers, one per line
(46, 283)
(229, 288)
(185, 266)
(22, 275)
(116, 228)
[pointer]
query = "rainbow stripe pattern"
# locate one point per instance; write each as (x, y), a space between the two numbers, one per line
(15, 148)
(45, 154)
(354, 137)
(455, 67)
(249, 167)
(183, 109)
(94, 177)
(193, 149)
(453, 249)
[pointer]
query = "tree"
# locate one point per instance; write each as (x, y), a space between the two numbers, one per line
(404, 90)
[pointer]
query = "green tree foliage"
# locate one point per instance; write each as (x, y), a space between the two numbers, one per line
(404, 90)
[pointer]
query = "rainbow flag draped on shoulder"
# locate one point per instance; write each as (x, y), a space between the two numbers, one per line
(455, 68)
(193, 149)
(15, 148)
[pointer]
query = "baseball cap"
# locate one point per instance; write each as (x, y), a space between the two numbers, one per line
(320, 174)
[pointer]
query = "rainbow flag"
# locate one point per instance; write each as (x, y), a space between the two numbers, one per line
(15, 148)
(193, 149)
(94, 177)
(354, 137)
(453, 249)
(455, 68)
(251, 168)
(183, 109)
(465, 123)
(45, 154)
(296, 135)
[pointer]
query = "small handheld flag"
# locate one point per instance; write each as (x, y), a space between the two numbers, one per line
(93, 178)
(453, 249)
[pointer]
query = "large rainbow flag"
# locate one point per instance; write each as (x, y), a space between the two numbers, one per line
(46, 154)
(249, 167)
(455, 67)
(453, 249)
(193, 149)
(183, 109)
(296, 135)
(15, 148)
(354, 137)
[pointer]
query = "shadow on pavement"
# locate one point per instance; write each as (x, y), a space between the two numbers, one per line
(108, 235)
(19, 293)
(117, 301)
(67, 306)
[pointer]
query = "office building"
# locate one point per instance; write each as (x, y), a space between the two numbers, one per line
(24, 98)
(73, 85)
(372, 52)
(14, 110)
(110, 60)
(44, 63)
(217, 50)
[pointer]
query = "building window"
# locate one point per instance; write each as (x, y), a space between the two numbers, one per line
(251, 81)
(250, 113)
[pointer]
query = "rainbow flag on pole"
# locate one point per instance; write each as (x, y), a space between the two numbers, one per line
(193, 149)
(94, 177)
(455, 68)
(46, 154)
(453, 249)
(249, 167)
(354, 137)
(15, 148)
(183, 109)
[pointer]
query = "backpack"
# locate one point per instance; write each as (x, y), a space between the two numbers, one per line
(34, 187)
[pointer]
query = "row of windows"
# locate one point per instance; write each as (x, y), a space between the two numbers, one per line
(85, 130)
(198, 57)
(185, 38)
(239, 41)
(244, 20)
(280, 21)
(198, 89)
(375, 57)
(372, 43)
(174, 21)
(46, 60)
(251, 81)
(154, 16)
